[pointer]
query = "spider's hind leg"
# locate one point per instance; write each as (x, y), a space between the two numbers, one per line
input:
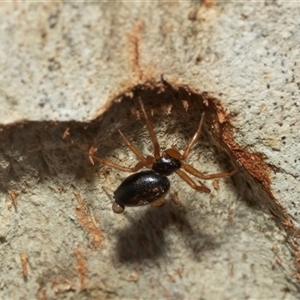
(190, 169)
(158, 202)
(191, 182)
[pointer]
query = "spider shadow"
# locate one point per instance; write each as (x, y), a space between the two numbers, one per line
(146, 237)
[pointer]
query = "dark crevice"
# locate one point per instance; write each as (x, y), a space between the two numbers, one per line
(37, 150)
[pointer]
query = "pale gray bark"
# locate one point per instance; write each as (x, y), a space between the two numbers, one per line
(72, 73)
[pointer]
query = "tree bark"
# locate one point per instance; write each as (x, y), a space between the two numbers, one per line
(73, 73)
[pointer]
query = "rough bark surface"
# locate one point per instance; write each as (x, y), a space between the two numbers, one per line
(73, 72)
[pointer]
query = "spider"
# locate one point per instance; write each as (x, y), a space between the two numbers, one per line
(150, 186)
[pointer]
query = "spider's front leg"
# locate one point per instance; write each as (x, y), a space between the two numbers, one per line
(151, 132)
(144, 161)
(174, 153)
(110, 164)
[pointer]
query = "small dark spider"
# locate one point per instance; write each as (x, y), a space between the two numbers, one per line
(151, 186)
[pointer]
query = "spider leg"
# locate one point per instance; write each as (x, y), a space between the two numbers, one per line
(191, 182)
(110, 164)
(144, 162)
(133, 148)
(190, 169)
(194, 139)
(174, 153)
(151, 132)
(158, 202)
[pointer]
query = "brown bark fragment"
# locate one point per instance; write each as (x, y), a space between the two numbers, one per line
(86, 220)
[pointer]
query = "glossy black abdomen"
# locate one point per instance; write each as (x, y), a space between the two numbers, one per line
(142, 188)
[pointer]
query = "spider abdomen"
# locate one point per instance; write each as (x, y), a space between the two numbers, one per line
(141, 188)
